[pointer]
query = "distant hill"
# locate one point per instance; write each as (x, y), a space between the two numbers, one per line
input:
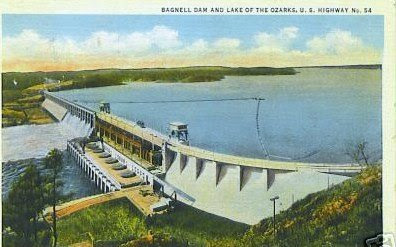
(358, 66)
(109, 77)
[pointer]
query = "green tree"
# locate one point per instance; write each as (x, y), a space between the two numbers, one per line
(53, 162)
(24, 205)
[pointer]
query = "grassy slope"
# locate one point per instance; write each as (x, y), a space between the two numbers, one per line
(118, 220)
(188, 224)
(345, 215)
(114, 220)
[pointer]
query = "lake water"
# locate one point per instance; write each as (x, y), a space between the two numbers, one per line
(313, 116)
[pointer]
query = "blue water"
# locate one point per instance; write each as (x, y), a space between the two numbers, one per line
(75, 184)
(322, 112)
(29, 144)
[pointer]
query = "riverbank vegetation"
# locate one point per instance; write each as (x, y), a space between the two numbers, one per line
(19, 108)
(344, 215)
(21, 98)
(22, 210)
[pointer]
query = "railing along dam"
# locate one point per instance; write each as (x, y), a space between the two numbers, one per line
(151, 154)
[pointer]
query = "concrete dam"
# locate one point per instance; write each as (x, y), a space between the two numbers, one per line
(231, 186)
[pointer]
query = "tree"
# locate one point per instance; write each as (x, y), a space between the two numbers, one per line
(53, 162)
(358, 153)
(24, 205)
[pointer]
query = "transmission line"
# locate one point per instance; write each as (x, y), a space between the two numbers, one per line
(175, 101)
(263, 147)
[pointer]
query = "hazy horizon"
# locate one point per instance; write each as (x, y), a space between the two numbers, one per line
(89, 42)
(197, 66)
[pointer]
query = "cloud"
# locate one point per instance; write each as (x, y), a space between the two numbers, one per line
(160, 37)
(29, 42)
(288, 33)
(32, 47)
(335, 42)
(227, 43)
(280, 41)
(199, 45)
(164, 37)
(162, 46)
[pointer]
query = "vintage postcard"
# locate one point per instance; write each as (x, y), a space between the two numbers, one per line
(126, 123)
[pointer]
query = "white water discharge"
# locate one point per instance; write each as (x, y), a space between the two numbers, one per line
(75, 125)
(34, 141)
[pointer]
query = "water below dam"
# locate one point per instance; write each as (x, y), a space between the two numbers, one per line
(34, 141)
(74, 181)
(29, 144)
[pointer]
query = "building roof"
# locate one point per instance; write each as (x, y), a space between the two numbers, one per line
(177, 123)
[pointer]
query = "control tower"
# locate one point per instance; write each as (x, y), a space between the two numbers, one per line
(104, 107)
(178, 131)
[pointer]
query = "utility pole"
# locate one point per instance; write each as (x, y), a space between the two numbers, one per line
(274, 200)
(328, 180)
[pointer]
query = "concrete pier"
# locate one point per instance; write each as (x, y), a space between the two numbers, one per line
(93, 169)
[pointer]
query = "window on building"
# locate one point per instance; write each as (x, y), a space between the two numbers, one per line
(127, 145)
(135, 150)
(119, 140)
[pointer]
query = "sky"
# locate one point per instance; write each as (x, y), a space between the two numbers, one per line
(76, 42)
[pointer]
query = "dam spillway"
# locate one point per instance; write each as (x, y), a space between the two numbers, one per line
(217, 183)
